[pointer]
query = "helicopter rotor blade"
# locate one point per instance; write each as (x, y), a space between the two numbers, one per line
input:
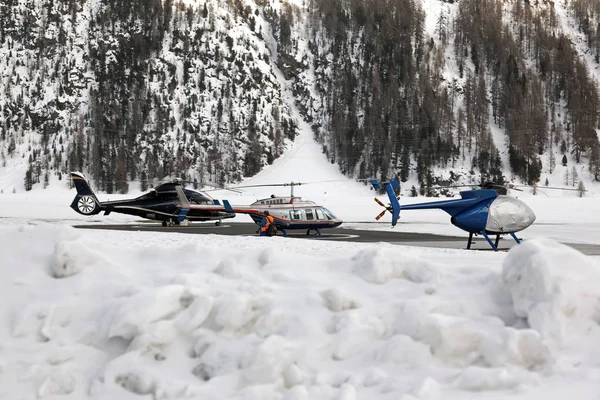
(224, 188)
(380, 203)
(264, 185)
(508, 186)
(557, 188)
(290, 183)
(377, 218)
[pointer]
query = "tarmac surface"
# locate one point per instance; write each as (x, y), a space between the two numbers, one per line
(341, 234)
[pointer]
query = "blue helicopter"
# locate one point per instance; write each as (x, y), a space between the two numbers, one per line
(481, 211)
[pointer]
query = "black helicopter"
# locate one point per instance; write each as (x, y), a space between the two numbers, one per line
(168, 202)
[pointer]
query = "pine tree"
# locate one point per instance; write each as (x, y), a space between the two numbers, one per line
(581, 189)
(551, 162)
(143, 181)
(413, 191)
(29, 180)
(594, 161)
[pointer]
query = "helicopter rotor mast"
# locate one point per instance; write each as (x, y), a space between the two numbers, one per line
(291, 185)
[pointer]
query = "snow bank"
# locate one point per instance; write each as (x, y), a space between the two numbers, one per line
(556, 288)
(71, 256)
(173, 316)
(379, 265)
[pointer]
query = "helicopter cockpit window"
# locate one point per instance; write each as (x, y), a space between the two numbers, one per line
(323, 213)
(329, 214)
(197, 198)
(320, 214)
(309, 214)
(296, 214)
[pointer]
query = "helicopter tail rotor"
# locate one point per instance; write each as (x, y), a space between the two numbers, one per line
(85, 202)
(394, 206)
(386, 208)
(381, 214)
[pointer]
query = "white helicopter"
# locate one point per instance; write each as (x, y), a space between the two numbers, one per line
(289, 212)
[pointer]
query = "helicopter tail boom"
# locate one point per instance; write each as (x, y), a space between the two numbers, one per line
(85, 202)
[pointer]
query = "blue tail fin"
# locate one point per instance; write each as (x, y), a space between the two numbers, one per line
(394, 206)
(375, 184)
(389, 188)
(227, 206)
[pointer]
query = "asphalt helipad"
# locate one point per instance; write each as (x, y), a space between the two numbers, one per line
(339, 234)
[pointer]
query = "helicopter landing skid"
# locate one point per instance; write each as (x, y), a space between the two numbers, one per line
(494, 244)
(170, 223)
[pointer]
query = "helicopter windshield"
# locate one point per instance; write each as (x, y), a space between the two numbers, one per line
(323, 213)
(197, 197)
(328, 213)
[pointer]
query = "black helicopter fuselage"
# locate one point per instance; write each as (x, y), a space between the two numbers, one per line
(164, 207)
(164, 203)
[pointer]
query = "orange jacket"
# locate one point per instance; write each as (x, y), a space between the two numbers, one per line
(269, 221)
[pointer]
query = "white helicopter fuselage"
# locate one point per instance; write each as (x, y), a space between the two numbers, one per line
(291, 213)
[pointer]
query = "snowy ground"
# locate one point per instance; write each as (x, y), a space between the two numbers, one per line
(138, 315)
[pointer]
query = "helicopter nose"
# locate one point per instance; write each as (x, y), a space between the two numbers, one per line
(507, 214)
(529, 215)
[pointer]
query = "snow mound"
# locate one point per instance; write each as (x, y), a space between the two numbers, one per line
(166, 318)
(61, 381)
(380, 265)
(403, 350)
(337, 300)
(71, 256)
(132, 316)
(555, 288)
(479, 379)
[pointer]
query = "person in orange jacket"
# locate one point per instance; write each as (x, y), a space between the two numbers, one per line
(267, 225)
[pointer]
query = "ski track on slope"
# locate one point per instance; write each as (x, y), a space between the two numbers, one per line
(304, 160)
